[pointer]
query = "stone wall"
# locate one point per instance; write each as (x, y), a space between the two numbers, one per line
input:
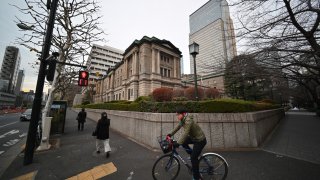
(223, 130)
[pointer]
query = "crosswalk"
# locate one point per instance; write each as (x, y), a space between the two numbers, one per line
(16, 137)
(11, 142)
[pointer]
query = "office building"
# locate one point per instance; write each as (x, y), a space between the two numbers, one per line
(212, 28)
(19, 82)
(10, 67)
(102, 58)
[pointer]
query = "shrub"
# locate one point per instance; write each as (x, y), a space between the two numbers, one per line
(209, 106)
(179, 99)
(212, 93)
(267, 101)
(143, 98)
(85, 102)
(162, 94)
(190, 93)
(178, 93)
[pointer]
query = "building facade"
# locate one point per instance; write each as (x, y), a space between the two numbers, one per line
(212, 28)
(102, 58)
(147, 64)
(20, 79)
(10, 67)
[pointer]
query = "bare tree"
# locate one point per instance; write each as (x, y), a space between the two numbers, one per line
(75, 29)
(286, 32)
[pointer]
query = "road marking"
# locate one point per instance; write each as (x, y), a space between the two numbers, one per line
(15, 131)
(23, 135)
(96, 172)
(29, 176)
(11, 142)
(8, 124)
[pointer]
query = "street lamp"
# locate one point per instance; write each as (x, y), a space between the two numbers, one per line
(194, 50)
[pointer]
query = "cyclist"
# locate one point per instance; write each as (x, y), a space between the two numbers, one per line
(193, 134)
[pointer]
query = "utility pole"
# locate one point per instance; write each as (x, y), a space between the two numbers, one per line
(36, 107)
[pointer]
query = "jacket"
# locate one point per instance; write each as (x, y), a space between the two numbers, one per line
(102, 129)
(82, 115)
(191, 129)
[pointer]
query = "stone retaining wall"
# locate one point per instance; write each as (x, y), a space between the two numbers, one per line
(223, 130)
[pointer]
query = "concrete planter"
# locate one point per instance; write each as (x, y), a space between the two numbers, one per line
(223, 130)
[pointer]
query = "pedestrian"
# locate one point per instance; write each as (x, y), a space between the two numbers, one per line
(82, 115)
(193, 134)
(102, 134)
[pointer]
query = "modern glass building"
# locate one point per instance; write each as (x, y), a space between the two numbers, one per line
(212, 28)
(10, 67)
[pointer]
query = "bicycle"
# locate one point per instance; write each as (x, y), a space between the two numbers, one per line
(211, 165)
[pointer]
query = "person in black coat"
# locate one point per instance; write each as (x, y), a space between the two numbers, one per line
(82, 115)
(102, 134)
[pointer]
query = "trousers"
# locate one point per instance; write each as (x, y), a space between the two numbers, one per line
(103, 144)
(194, 154)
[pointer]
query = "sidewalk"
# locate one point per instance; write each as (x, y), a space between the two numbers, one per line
(75, 153)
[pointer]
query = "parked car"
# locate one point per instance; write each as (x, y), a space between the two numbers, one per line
(26, 116)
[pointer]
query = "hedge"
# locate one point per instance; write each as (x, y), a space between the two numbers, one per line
(209, 106)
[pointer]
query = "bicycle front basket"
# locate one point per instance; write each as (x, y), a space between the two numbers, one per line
(165, 146)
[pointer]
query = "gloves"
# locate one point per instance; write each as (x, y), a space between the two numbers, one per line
(176, 144)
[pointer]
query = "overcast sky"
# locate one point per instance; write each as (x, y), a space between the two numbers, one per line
(123, 21)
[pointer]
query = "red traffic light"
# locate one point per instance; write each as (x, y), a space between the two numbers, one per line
(83, 78)
(84, 74)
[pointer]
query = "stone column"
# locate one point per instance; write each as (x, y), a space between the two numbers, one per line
(153, 59)
(134, 61)
(174, 73)
(126, 68)
(158, 62)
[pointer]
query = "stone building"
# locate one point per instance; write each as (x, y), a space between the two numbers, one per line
(147, 64)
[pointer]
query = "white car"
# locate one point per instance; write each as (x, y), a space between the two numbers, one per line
(26, 116)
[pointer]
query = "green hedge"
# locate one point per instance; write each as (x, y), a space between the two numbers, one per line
(209, 106)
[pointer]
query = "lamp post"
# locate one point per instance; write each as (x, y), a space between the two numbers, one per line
(36, 107)
(194, 50)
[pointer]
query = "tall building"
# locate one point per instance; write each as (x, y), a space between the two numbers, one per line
(10, 67)
(102, 58)
(147, 64)
(212, 28)
(19, 82)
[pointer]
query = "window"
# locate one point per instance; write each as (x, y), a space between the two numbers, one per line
(165, 72)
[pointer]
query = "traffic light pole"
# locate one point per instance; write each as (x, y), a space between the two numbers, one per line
(36, 107)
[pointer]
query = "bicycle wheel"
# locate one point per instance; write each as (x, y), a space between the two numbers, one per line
(213, 166)
(38, 135)
(166, 167)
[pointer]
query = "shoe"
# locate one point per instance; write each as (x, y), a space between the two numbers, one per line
(107, 155)
(98, 152)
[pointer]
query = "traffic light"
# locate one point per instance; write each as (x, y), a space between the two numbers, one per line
(51, 69)
(83, 78)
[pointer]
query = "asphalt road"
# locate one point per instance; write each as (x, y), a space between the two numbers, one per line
(11, 131)
(12, 135)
